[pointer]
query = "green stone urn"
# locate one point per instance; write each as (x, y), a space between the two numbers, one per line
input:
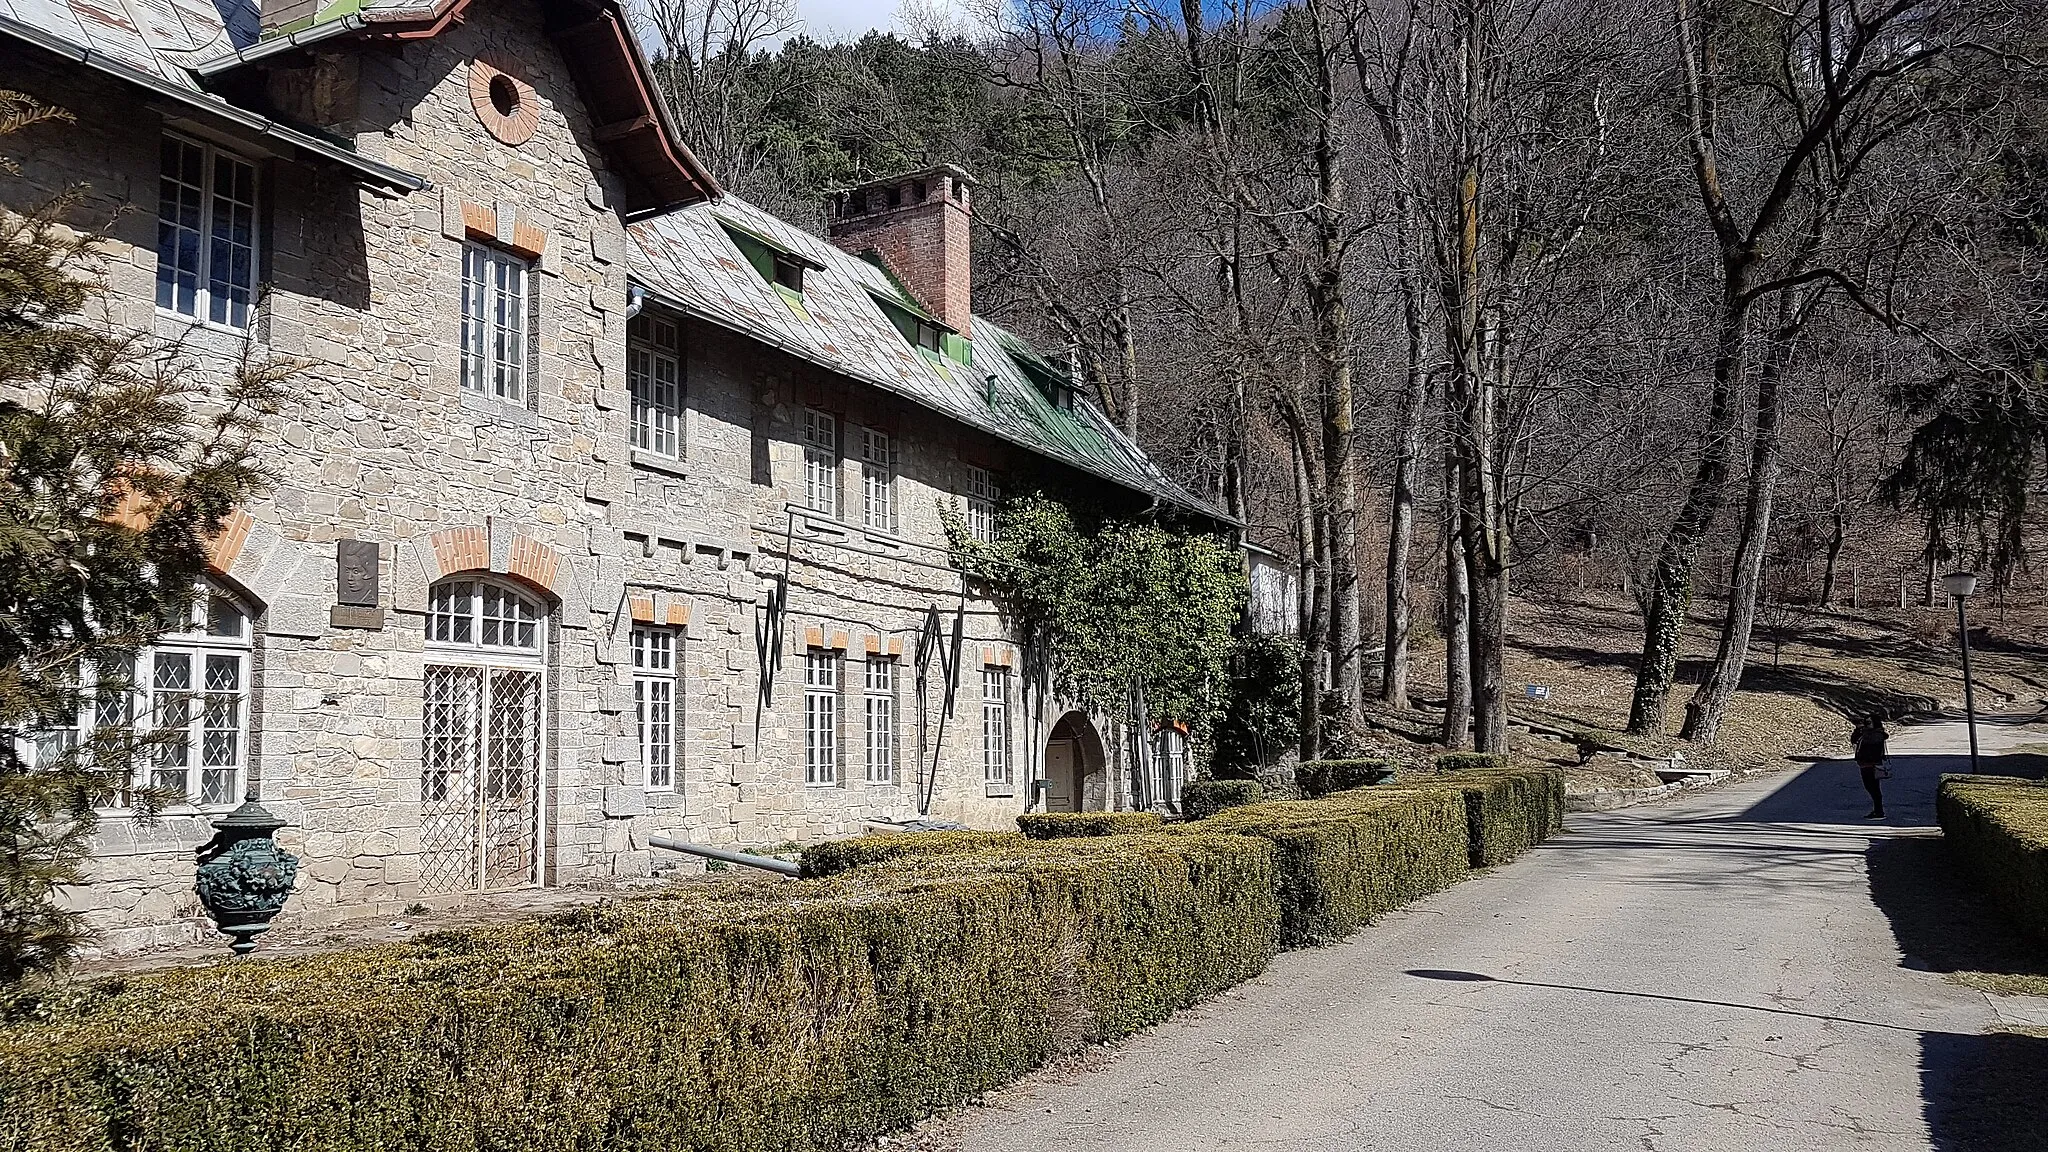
(244, 877)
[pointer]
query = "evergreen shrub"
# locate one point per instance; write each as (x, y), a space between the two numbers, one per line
(1318, 778)
(1201, 799)
(1507, 811)
(1062, 825)
(1466, 761)
(1345, 861)
(831, 857)
(738, 1017)
(1998, 827)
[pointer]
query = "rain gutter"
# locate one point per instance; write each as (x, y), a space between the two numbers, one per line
(373, 172)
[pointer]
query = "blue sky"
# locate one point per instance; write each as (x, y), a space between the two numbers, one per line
(823, 18)
(848, 19)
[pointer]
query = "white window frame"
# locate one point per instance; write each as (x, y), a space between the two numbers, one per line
(982, 497)
(821, 717)
(231, 301)
(821, 461)
(657, 705)
(475, 612)
(878, 707)
(1171, 762)
(497, 307)
(878, 481)
(995, 726)
(654, 377)
(206, 650)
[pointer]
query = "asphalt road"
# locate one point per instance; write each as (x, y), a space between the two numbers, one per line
(1750, 968)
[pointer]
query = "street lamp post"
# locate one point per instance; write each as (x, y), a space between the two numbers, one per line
(1960, 585)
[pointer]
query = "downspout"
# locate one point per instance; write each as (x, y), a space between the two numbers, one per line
(726, 856)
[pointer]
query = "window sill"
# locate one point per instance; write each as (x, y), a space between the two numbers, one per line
(888, 540)
(172, 325)
(168, 812)
(811, 521)
(655, 462)
(502, 411)
(1005, 791)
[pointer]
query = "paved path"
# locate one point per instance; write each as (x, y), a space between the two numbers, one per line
(1738, 970)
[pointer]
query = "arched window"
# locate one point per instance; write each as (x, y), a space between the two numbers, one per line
(482, 736)
(186, 696)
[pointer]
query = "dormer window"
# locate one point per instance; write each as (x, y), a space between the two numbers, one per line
(922, 331)
(789, 272)
(778, 265)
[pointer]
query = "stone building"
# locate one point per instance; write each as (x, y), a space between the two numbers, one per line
(608, 505)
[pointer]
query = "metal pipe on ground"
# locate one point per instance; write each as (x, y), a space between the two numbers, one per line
(745, 860)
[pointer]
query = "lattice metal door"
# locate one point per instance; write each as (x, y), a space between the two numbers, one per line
(479, 778)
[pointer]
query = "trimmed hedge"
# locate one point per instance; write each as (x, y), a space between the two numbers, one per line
(1507, 811)
(1998, 825)
(1201, 799)
(750, 1018)
(1348, 860)
(738, 1014)
(1318, 778)
(1062, 825)
(1465, 761)
(831, 857)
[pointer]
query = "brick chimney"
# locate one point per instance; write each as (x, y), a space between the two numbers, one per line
(918, 223)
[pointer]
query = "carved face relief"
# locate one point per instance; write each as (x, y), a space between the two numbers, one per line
(355, 572)
(507, 105)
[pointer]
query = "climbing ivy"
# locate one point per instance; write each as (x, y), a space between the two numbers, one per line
(1112, 604)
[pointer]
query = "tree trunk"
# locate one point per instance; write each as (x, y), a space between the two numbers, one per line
(1930, 561)
(1838, 533)
(1401, 516)
(1457, 619)
(1703, 713)
(1333, 348)
(1671, 584)
(1308, 606)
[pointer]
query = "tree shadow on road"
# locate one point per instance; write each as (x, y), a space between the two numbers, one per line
(1980, 1093)
(1984, 1093)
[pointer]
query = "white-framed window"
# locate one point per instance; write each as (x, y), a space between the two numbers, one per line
(654, 376)
(982, 498)
(484, 614)
(186, 697)
(205, 233)
(494, 323)
(995, 725)
(878, 702)
(1169, 764)
(877, 481)
(821, 717)
(656, 654)
(821, 461)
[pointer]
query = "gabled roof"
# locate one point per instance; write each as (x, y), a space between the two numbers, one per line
(184, 44)
(686, 259)
(161, 38)
(107, 46)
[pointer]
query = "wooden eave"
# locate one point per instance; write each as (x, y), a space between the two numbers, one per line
(634, 131)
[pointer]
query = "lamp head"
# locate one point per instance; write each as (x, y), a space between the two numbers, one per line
(1960, 584)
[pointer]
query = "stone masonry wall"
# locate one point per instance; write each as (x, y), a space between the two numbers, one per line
(380, 443)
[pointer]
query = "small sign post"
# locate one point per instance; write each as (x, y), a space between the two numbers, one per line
(1536, 691)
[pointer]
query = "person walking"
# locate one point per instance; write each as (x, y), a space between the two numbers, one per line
(1868, 740)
